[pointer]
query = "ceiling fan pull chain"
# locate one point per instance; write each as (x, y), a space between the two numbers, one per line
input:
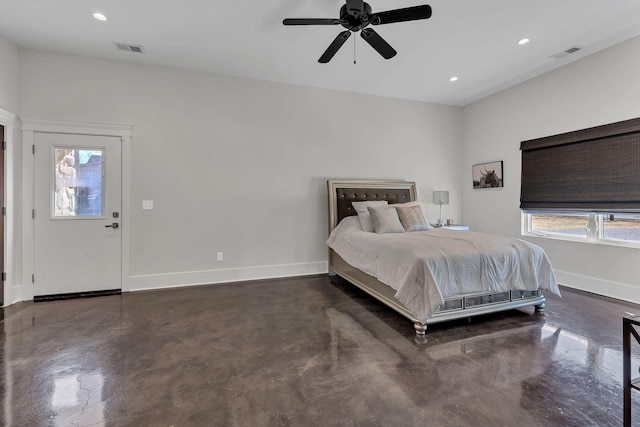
(354, 50)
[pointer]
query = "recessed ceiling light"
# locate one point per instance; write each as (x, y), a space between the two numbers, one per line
(453, 79)
(523, 41)
(99, 16)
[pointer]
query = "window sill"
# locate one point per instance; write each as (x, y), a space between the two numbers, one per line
(606, 242)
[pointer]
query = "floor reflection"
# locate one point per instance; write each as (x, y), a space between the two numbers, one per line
(604, 361)
(77, 399)
(498, 360)
(516, 370)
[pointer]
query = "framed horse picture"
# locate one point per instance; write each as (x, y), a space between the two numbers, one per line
(487, 175)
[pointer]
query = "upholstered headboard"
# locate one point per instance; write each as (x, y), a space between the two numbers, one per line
(342, 192)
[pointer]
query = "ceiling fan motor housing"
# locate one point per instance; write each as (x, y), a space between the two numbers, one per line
(353, 19)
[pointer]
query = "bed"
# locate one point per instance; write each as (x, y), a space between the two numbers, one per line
(426, 297)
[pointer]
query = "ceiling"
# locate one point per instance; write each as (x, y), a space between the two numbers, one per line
(477, 41)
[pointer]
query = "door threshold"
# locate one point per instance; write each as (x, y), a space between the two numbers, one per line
(74, 295)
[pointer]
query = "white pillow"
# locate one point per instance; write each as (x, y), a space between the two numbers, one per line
(363, 214)
(412, 218)
(385, 220)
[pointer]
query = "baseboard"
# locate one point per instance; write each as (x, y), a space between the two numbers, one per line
(622, 291)
(191, 278)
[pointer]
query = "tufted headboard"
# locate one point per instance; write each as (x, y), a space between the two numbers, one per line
(342, 192)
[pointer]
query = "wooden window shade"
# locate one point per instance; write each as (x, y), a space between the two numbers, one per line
(595, 169)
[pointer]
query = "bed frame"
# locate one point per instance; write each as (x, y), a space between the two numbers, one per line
(343, 192)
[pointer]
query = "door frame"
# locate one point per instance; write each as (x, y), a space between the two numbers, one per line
(11, 189)
(2, 226)
(29, 128)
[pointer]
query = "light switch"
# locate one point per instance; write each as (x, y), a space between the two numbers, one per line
(147, 205)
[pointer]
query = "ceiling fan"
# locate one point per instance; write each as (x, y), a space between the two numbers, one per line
(355, 16)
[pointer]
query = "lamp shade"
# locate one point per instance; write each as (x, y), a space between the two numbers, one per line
(440, 197)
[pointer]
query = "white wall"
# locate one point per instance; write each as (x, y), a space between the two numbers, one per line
(240, 166)
(599, 89)
(8, 76)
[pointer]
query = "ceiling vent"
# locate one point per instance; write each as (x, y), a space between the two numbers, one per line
(572, 49)
(129, 47)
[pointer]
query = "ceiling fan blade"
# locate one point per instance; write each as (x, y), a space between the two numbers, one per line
(311, 21)
(378, 43)
(401, 15)
(334, 46)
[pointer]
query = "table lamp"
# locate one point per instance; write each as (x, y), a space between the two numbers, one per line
(440, 198)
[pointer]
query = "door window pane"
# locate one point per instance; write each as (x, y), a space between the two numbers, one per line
(78, 190)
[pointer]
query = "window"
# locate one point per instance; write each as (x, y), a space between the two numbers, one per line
(584, 185)
(621, 229)
(561, 224)
(78, 187)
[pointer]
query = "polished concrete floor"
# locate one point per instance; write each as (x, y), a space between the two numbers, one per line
(307, 352)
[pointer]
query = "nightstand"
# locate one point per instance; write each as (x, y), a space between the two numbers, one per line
(457, 227)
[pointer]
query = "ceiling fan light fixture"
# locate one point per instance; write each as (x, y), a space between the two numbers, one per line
(523, 41)
(453, 79)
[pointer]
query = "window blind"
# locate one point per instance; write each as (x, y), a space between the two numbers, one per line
(595, 169)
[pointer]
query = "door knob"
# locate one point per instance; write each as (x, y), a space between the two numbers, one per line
(114, 225)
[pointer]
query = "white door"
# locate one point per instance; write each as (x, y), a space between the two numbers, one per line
(77, 192)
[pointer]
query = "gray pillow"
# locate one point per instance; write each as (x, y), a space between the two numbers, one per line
(385, 220)
(412, 218)
(363, 212)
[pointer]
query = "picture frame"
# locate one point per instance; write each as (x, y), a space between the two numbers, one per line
(488, 175)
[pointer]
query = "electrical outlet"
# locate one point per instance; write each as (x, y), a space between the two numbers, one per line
(220, 256)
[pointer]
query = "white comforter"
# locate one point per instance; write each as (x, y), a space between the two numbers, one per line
(425, 267)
